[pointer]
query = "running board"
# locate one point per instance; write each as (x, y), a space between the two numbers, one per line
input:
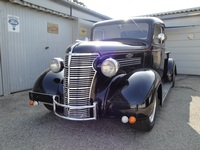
(165, 90)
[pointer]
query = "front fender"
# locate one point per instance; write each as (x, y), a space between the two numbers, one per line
(134, 95)
(50, 83)
(140, 85)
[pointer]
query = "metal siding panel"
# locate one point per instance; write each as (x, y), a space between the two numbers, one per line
(183, 43)
(182, 21)
(182, 30)
(189, 71)
(26, 50)
(187, 57)
(185, 51)
(1, 36)
(62, 7)
(183, 36)
(4, 50)
(84, 24)
(53, 5)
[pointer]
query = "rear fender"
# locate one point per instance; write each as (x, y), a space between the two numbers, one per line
(171, 67)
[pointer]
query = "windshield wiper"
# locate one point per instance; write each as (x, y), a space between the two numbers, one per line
(137, 25)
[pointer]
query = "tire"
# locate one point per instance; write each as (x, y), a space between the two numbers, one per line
(173, 78)
(148, 124)
(49, 107)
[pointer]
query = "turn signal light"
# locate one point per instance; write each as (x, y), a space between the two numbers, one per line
(33, 103)
(131, 120)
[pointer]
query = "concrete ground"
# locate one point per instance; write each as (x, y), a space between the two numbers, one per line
(34, 128)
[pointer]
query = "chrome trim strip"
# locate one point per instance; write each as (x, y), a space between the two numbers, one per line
(82, 67)
(79, 98)
(68, 77)
(80, 88)
(128, 62)
(81, 77)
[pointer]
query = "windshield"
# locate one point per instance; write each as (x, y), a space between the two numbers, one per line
(131, 30)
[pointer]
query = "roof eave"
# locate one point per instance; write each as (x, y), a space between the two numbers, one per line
(177, 13)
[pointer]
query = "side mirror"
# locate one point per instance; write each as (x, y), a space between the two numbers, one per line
(162, 37)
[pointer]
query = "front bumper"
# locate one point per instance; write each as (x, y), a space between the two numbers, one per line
(42, 97)
(55, 101)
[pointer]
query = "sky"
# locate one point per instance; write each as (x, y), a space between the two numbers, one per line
(127, 8)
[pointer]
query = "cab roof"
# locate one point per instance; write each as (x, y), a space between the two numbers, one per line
(151, 20)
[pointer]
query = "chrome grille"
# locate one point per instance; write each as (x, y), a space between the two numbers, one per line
(129, 62)
(79, 75)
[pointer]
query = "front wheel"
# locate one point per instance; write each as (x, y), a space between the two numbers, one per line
(148, 124)
(49, 107)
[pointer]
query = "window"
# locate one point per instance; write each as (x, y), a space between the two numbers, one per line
(121, 31)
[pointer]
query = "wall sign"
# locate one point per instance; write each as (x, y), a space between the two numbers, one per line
(13, 23)
(52, 28)
(83, 31)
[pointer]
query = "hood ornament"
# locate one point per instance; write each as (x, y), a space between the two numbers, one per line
(129, 55)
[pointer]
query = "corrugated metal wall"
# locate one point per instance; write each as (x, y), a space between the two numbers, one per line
(24, 55)
(184, 43)
(1, 45)
(26, 52)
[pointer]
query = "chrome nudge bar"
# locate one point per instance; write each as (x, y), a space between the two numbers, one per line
(94, 107)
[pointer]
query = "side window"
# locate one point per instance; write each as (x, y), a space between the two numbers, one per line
(157, 31)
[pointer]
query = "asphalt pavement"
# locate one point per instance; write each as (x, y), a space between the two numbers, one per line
(177, 127)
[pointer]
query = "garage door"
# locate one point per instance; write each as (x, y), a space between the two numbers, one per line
(41, 37)
(184, 44)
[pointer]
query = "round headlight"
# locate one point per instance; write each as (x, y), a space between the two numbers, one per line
(109, 67)
(56, 65)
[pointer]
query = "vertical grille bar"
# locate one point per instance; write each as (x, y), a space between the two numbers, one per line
(79, 75)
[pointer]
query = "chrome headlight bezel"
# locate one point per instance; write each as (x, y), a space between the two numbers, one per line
(109, 67)
(56, 65)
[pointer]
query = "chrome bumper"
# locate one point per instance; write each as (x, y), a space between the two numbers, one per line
(55, 103)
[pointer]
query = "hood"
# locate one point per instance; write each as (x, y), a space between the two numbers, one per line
(104, 47)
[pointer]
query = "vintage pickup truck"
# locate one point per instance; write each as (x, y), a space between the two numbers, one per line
(123, 72)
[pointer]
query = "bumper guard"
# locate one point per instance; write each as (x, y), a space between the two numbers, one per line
(56, 103)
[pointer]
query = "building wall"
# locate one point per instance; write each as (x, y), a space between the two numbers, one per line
(42, 35)
(62, 6)
(84, 29)
(184, 43)
(28, 52)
